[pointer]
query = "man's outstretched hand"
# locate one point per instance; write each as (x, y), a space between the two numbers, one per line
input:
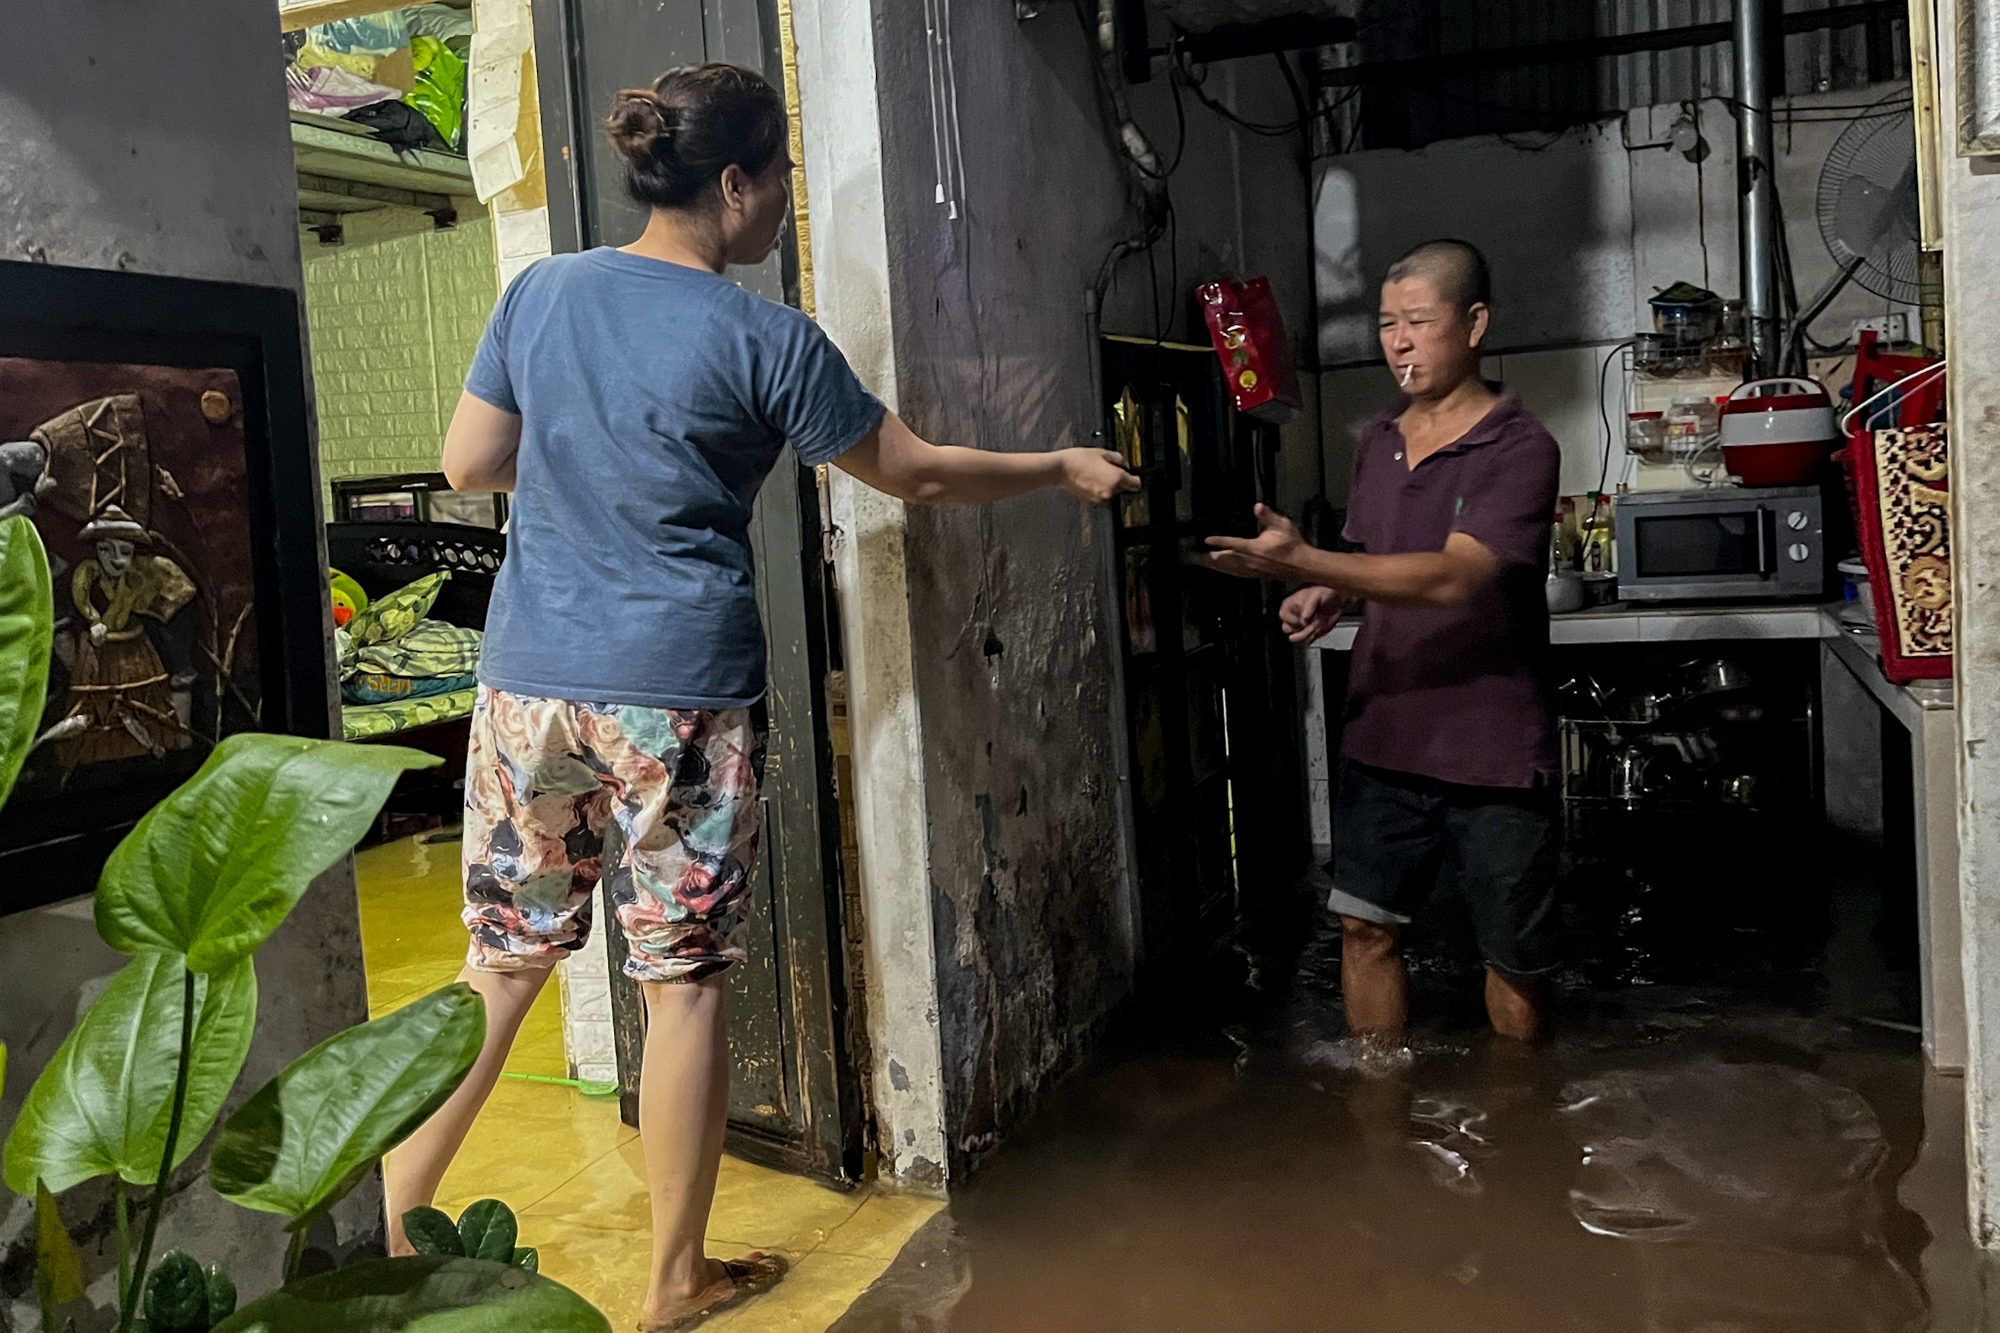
(1272, 554)
(1310, 614)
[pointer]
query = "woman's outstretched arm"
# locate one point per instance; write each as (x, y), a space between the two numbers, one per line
(895, 459)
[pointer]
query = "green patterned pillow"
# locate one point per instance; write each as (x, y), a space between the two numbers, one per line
(388, 619)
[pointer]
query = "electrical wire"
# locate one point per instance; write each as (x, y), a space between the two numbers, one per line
(1604, 415)
(1180, 126)
(1693, 110)
(1194, 85)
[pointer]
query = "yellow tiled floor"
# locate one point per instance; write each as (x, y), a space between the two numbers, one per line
(574, 1173)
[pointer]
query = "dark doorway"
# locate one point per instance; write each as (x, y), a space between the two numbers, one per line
(1217, 786)
(795, 1101)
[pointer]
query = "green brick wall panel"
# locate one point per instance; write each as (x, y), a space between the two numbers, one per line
(394, 325)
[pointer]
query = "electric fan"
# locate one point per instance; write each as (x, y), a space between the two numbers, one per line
(1867, 201)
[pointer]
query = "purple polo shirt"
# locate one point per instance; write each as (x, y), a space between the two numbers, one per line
(1458, 694)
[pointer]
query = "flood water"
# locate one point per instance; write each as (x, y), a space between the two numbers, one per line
(1711, 1140)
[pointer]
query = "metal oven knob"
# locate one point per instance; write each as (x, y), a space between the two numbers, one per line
(1796, 520)
(1799, 551)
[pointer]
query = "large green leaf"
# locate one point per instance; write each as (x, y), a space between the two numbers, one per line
(421, 1294)
(102, 1104)
(213, 869)
(305, 1139)
(27, 629)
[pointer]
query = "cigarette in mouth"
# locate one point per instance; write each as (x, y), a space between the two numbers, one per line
(1407, 370)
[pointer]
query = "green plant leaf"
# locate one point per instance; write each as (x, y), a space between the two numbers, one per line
(529, 1258)
(177, 1296)
(27, 631)
(431, 1232)
(58, 1267)
(221, 1295)
(102, 1104)
(489, 1230)
(421, 1294)
(212, 870)
(307, 1136)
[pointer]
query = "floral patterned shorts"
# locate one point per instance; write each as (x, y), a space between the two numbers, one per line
(556, 791)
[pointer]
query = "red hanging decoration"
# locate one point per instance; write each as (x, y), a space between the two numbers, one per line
(1249, 335)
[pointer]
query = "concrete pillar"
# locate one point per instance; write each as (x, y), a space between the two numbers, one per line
(850, 261)
(1970, 190)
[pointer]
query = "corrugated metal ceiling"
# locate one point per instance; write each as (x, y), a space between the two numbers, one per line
(1417, 107)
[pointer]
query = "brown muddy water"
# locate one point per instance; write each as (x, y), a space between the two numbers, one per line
(1712, 1140)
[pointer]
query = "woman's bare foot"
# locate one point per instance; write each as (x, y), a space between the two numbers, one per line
(730, 1282)
(665, 1310)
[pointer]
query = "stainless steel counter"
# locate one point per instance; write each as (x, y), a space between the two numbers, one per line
(1629, 623)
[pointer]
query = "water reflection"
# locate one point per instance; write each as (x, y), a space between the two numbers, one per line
(1707, 1145)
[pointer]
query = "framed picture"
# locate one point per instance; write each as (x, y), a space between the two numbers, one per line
(178, 501)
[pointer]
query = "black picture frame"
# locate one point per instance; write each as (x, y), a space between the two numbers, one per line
(54, 313)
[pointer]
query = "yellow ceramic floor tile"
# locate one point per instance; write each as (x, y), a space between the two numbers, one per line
(410, 901)
(771, 1210)
(606, 1267)
(816, 1292)
(575, 1173)
(529, 1139)
(754, 1207)
(881, 1226)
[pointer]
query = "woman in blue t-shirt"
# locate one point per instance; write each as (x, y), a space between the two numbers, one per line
(634, 400)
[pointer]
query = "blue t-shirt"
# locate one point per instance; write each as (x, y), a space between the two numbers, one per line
(655, 399)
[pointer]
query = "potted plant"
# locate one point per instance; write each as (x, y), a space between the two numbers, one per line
(188, 896)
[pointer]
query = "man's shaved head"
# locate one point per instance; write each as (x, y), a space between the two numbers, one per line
(1455, 268)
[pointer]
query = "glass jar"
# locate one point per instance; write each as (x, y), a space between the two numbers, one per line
(1686, 323)
(1646, 436)
(1691, 425)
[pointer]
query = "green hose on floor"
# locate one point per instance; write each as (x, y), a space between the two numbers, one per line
(587, 1089)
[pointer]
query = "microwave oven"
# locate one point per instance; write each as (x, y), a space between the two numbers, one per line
(1726, 542)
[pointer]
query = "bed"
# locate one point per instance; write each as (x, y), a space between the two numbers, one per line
(385, 556)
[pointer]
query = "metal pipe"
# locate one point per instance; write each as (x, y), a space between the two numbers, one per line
(1757, 261)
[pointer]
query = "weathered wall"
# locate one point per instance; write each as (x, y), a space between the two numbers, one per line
(1032, 923)
(154, 138)
(1971, 197)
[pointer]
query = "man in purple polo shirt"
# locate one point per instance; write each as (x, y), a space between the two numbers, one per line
(1448, 758)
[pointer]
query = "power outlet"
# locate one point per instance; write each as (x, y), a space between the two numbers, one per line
(1889, 328)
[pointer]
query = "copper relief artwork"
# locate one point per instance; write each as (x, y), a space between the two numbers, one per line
(135, 478)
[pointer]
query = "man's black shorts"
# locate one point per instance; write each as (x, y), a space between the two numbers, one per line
(1394, 834)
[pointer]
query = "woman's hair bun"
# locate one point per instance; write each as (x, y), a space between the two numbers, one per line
(680, 135)
(638, 122)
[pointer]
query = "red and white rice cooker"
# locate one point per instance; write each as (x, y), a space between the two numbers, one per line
(1776, 432)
